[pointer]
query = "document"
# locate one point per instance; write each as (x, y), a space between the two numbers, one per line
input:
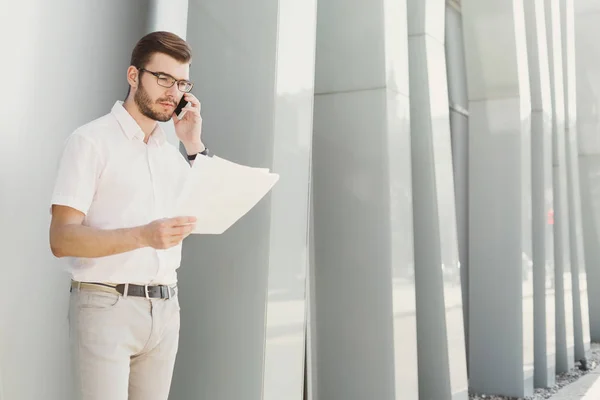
(219, 192)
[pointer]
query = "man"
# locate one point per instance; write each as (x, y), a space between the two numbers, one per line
(117, 184)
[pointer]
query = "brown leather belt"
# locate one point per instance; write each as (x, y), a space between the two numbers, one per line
(147, 291)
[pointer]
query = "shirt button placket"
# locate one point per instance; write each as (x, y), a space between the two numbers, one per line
(150, 149)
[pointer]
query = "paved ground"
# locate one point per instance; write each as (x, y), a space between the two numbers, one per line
(576, 384)
(585, 388)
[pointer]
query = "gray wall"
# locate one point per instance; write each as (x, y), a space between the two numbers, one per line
(66, 62)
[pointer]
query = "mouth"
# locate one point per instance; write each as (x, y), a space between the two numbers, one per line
(167, 105)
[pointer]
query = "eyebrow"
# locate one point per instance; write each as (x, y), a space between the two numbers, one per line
(171, 76)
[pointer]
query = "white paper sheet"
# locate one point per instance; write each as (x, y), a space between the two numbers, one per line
(219, 192)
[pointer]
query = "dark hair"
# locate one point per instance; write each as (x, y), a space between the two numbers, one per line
(160, 42)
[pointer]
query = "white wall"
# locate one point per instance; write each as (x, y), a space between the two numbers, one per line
(63, 63)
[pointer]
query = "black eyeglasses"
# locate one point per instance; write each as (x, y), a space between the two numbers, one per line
(168, 81)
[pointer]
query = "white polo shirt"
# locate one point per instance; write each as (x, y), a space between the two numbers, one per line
(108, 173)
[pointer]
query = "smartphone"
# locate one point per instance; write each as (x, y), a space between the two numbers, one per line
(182, 103)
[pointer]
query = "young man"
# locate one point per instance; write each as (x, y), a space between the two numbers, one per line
(112, 205)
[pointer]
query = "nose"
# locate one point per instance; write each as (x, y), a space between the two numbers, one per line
(173, 92)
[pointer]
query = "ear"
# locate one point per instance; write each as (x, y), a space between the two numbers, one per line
(133, 76)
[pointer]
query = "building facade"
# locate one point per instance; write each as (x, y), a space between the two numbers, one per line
(435, 227)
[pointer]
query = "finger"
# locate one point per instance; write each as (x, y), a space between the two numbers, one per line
(175, 240)
(193, 101)
(170, 244)
(180, 230)
(177, 118)
(176, 226)
(177, 232)
(191, 110)
(183, 220)
(182, 227)
(171, 240)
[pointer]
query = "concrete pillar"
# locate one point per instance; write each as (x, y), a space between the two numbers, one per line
(587, 56)
(542, 200)
(442, 357)
(562, 249)
(364, 289)
(243, 292)
(581, 326)
(500, 305)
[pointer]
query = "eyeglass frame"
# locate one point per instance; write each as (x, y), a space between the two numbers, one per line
(175, 81)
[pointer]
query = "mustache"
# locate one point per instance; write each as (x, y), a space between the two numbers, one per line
(167, 101)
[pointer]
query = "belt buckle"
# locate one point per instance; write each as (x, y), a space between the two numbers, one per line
(146, 292)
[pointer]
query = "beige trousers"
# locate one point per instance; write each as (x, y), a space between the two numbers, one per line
(123, 348)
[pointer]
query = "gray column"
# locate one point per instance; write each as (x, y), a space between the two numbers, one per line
(542, 201)
(578, 263)
(242, 292)
(562, 249)
(587, 30)
(171, 16)
(289, 240)
(459, 128)
(442, 357)
(364, 289)
(500, 289)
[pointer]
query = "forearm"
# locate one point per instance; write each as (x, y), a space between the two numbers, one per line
(81, 241)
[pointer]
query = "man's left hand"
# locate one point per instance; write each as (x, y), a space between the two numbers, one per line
(189, 128)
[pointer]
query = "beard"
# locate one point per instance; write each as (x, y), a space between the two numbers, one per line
(145, 103)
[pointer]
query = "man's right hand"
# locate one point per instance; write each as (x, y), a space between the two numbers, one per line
(167, 233)
(70, 238)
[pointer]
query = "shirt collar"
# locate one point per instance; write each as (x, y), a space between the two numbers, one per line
(131, 128)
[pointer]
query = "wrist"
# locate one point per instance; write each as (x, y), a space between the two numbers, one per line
(139, 236)
(194, 148)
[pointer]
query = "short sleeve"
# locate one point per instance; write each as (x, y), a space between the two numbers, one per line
(78, 173)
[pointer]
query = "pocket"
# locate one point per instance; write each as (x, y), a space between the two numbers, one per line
(92, 300)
